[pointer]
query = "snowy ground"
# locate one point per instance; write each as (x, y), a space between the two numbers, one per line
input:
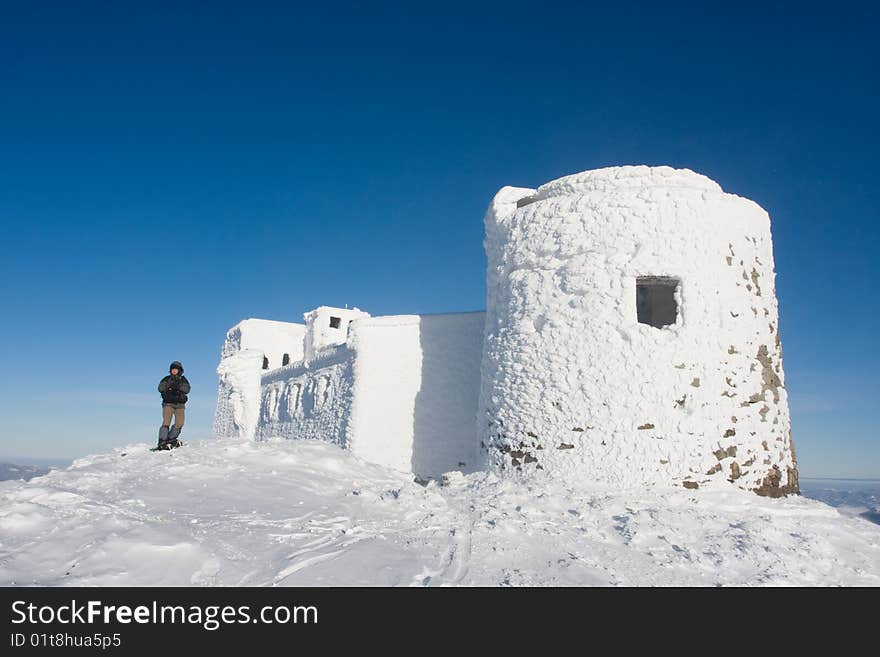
(307, 513)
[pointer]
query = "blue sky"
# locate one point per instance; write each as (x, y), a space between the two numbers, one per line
(170, 169)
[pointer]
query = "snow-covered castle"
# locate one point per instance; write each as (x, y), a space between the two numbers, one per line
(630, 338)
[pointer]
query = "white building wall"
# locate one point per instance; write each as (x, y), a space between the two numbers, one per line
(238, 395)
(387, 372)
(416, 389)
(573, 385)
(273, 338)
(402, 393)
(240, 369)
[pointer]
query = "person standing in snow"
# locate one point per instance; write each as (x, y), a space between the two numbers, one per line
(174, 389)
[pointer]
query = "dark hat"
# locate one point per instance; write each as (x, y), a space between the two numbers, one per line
(177, 365)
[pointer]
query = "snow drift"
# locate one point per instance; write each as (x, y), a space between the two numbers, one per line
(236, 512)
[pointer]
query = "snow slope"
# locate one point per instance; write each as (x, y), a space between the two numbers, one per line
(308, 513)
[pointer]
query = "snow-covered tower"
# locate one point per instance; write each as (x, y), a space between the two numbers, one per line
(632, 335)
(327, 326)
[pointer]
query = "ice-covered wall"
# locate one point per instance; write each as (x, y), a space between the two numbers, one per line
(327, 326)
(387, 372)
(241, 366)
(417, 381)
(238, 394)
(272, 338)
(310, 399)
(574, 385)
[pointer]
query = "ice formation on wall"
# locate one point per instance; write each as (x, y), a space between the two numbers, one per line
(417, 382)
(574, 384)
(326, 326)
(248, 346)
(273, 339)
(310, 399)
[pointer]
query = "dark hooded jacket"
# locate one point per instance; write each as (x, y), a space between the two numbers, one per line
(174, 387)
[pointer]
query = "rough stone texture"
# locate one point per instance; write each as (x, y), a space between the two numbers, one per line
(563, 347)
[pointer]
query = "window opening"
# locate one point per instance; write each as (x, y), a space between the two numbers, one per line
(655, 300)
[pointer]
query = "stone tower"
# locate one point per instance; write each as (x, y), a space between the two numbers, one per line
(632, 335)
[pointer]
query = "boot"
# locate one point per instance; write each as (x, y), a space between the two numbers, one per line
(163, 437)
(172, 437)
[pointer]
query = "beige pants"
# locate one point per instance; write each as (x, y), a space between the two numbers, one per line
(177, 410)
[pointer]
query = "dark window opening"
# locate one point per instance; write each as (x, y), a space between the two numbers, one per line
(655, 300)
(265, 363)
(285, 360)
(335, 321)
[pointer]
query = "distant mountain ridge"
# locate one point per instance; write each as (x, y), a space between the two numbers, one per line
(11, 471)
(851, 497)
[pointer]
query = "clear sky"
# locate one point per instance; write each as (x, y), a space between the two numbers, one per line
(167, 169)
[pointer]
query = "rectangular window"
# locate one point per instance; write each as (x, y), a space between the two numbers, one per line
(335, 321)
(655, 300)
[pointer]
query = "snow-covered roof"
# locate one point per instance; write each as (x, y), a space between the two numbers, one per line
(256, 321)
(321, 310)
(270, 336)
(626, 176)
